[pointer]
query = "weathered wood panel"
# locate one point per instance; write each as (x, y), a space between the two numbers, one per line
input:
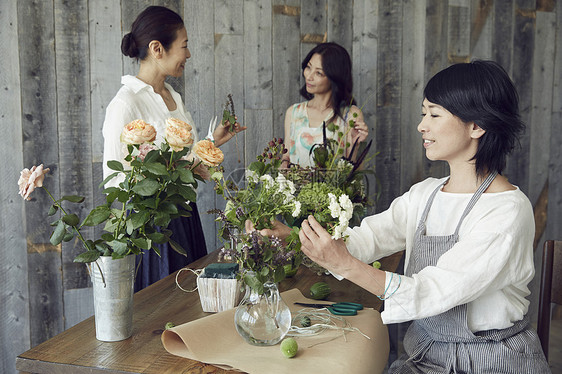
(458, 35)
(413, 46)
(14, 291)
(78, 305)
(199, 94)
(229, 60)
(262, 132)
(542, 93)
(388, 101)
(502, 38)
(364, 55)
(313, 26)
(105, 65)
(435, 59)
(286, 60)
(481, 29)
(258, 72)
(73, 111)
(40, 145)
(523, 49)
(340, 23)
(554, 217)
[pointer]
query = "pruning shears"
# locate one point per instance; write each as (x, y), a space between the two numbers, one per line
(340, 309)
(212, 126)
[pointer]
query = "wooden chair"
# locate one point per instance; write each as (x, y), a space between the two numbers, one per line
(551, 288)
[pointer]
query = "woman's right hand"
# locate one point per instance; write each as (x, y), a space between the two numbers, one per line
(278, 229)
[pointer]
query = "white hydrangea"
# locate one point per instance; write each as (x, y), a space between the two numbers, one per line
(338, 232)
(334, 207)
(251, 176)
(267, 180)
(285, 184)
(346, 206)
(297, 210)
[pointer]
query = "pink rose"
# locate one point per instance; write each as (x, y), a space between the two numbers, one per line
(178, 137)
(138, 132)
(31, 179)
(208, 153)
(145, 148)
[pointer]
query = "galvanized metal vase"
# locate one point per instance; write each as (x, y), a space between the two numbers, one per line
(113, 297)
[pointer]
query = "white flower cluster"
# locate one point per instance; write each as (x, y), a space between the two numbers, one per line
(287, 188)
(251, 176)
(342, 209)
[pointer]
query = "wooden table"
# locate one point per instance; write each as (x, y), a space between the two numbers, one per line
(76, 350)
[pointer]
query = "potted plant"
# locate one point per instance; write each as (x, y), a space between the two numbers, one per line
(155, 185)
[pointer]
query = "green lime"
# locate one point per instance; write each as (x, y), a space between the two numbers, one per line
(169, 325)
(377, 265)
(289, 347)
(320, 290)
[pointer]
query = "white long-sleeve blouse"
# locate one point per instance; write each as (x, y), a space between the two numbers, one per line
(488, 269)
(137, 100)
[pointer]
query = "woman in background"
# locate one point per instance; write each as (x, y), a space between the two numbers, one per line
(158, 39)
(327, 89)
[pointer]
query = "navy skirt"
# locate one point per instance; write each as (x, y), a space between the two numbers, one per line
(188, 232)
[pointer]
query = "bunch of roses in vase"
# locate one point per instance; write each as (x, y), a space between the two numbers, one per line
(151, 187)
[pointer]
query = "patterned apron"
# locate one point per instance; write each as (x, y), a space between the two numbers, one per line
(444, 343)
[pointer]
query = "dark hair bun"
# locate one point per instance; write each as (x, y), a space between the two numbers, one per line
(128, 46)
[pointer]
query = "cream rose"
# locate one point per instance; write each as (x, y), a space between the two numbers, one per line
(208, 153)
(178, 123)
(138, 132)
(178, 137)
(31, 179)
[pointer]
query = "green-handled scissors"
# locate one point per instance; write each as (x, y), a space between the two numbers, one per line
(340, 309)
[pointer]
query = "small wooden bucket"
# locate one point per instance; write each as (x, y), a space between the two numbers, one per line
(218, 294)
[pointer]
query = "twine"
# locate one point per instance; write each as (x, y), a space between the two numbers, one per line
(197, 274)
(326, 321)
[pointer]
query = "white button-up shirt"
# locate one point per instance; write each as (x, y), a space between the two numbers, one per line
(137, 100)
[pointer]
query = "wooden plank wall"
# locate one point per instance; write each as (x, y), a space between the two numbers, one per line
(54, 92)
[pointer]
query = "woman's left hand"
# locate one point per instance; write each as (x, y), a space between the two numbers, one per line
(226, 131)
(319, 246)
(359, 132)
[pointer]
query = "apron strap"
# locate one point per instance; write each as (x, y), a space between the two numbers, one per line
(429, 203)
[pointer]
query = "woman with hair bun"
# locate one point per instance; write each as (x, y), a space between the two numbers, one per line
(158, 40)
(328, 91)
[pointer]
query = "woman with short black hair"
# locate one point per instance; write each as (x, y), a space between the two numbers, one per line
(468, 237)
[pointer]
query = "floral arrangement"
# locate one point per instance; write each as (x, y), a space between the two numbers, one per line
(267, 194)
(155, 185)
(333, 190)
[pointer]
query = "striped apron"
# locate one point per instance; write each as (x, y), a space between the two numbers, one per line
(444, 343)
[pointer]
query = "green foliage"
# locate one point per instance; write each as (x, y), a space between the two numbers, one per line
(137, 212)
